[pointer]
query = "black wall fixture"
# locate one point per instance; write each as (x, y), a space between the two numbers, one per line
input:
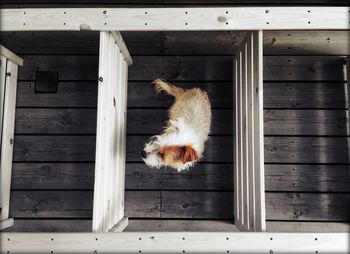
(46, 82)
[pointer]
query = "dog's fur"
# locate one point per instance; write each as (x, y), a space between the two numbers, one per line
(181, 144)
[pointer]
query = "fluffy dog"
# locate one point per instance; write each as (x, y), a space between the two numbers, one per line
(181, 143)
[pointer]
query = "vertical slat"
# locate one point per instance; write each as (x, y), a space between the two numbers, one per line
(245, 191)
(9, 110)
(250, 129)
(240, 156)
(100, 188)
(348, 90)
(236, 203)
(3, 63)
(259, 131)
(108, 211)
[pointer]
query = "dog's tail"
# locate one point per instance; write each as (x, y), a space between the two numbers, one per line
(161, 85)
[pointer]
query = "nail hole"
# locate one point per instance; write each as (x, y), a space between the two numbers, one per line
(24, 12)
(145, 24)
(64, 12)
(183, 238)
(105, 23)
(52, 239)
(227, 238)
(308, 11)
(140, 251)
(8, 239)
(186, 24)
(104, 12)
(267, 11)
(316, 251)
(183, 251)
(316, 239)
(309, 22)
(24, 24)
(267, 22)
(186, 12)
(96, 239)
(140, 238)
(64, 24)
(226, 12)
(226, 23)
(145, 12)
(271, 238)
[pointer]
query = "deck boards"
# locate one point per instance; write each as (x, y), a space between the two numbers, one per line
(306, 144)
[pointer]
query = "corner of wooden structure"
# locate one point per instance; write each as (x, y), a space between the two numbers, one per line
(10, 55)
(6, 223)
(120, 226)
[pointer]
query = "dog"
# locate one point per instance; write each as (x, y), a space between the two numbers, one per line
(181, 143)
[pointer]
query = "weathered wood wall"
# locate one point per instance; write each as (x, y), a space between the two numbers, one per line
(306, 138)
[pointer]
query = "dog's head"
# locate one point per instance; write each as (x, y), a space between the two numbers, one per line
(179, 157)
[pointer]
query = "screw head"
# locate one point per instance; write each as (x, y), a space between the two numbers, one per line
(100, 79)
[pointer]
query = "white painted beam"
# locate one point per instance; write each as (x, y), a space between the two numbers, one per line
(180, 242)
(109, 188)
(10, 56)
(6, 223)
(174, 19)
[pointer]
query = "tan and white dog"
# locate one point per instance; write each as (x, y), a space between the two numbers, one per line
(181, 144)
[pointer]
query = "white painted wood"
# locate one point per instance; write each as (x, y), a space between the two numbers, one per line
(260, 217)
(171, 19)
(245, 184)
(108, 208)
(236, 203)
(10, 56)
(180, 242)
(121, 45)
(250, 191)
(250, 130)
(6, 223)
(3, 63)
(8, 123)
(348, 89)
(120, 226)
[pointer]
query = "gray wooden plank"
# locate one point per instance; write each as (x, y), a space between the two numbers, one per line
(84, 67)
(306, 122)
(304, 68)
(46, 148)
(181, 68)
(181, 225)
(217, 149)
(307, 150)
(191, 204)
(304, 178)
(326, 95)
(48, 43)
(297, 226)
(308, 206)
(141, 94)
(180, 43)
(135, 225)
(313, 178)
(69, 94)
(276, 122)
(306, 43)
(83, 121)
(201, 177)
(53, 176)
(50, 225)
(54, 148)
(55, 121)
(77, 204)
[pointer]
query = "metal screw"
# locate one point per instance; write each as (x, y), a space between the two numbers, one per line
(267, 11)
(104, 12)
(11, 141)
(8, 74)
(100, 79)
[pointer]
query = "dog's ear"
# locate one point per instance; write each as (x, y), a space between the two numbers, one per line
(170, 154)
(189, 154)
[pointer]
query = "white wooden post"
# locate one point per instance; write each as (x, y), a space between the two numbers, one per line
(249, 135)
(8, 88)
(108, 208)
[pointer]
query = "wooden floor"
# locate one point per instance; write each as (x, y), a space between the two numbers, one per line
(306, 139)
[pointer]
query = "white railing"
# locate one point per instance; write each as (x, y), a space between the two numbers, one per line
(8, 88)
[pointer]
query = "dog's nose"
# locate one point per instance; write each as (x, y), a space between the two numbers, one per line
(143, 154)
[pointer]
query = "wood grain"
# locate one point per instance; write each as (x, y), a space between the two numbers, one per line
(187, 68)
(77, 204)
(325, 95)
(306, 42)
(306, 122)
(307, 149)
(141, 94)
(84, 225)
(180, 43)
(316, 178)
(56, 176)
(308, 206)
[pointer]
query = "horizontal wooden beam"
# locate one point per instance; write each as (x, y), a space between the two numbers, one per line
(174, 19)
(180, 242)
